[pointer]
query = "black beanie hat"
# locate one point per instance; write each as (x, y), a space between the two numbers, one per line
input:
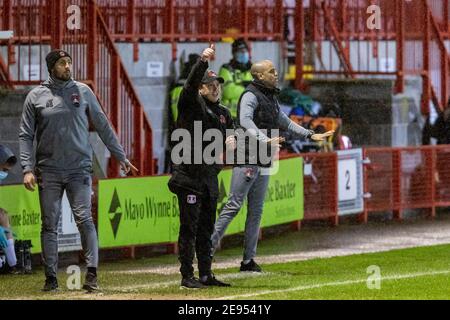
(54, 56)
(239, 44)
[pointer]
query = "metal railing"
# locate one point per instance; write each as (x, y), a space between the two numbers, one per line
(41, 25)
(199, 20)
(157, 20)
(437, 64)
(395, 180)
(410, 41)
(5, 79)
(407, 178)
(412, 31)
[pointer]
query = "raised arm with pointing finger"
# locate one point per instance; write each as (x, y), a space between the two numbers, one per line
(196, 184)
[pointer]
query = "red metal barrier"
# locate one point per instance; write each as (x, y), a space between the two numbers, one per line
(201, 20)
(396, 179)
(5, 78)
(407, 178)
(382, 180)
(442, 176)
(117, 93)
(441, 11)
(416, 178)
(320, 187)
(332, 30)
(186, 20)
(39, 25)
(341, 44)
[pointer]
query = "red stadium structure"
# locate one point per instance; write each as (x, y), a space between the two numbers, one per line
(416, 30)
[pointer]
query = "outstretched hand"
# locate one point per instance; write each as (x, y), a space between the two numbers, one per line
(322, 136)
(127, 166)
(276, 142)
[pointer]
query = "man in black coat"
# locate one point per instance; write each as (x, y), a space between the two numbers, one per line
(194, 179)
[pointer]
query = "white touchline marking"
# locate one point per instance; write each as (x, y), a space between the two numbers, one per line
(273, 259)
(331, 284)
(231, 276)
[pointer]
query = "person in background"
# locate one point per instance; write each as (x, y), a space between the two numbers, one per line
(176, 90)
(237, 75)
(7, 161)
(174, 97)
(7, 242)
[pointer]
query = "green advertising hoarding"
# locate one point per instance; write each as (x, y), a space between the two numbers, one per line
(138, 211)
(24, 213)
(284, 198)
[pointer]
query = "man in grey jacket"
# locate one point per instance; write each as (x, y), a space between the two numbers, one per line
(259, 115)
(56, 114)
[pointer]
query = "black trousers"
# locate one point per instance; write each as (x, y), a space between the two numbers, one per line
(197, 218)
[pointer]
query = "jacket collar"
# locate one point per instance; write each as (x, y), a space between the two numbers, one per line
(264, 89)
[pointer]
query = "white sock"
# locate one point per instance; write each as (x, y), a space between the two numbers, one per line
(11, 253)
(247, 261)
(204, 278)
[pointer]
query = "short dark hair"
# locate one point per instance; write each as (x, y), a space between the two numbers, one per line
(239, 44)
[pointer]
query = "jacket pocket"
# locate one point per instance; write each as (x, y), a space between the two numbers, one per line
(181, 181)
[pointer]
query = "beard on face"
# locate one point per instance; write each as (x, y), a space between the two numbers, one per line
(65, 76)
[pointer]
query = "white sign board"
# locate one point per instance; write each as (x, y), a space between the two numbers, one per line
(155, 69)
(387, 65)
(307, 169)
(5, 35)
(350, 182)
(68, 235)
(31, 72)
(68, 222)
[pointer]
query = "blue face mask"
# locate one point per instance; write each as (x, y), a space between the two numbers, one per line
(3, 175)
(242, 57)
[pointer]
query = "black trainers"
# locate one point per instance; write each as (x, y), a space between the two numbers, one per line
(252, 266)
(191, 283)
(90, 284)
(51, 284)
(211, 281)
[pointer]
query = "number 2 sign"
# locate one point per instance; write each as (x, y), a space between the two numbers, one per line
(350, 182)
(347, 180)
